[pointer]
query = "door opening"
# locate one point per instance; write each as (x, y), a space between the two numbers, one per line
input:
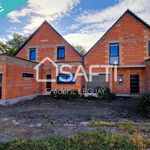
(48, 84)
(134, 84)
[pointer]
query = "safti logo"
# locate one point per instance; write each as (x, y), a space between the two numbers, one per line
(6, 6)
(37, 68)
(80, 72)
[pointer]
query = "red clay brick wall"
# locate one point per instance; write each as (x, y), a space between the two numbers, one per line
(3, 71)
(49, 69)
(14, 85)
(46, 41)
(133, 38)
(77, 85)
(124, 88)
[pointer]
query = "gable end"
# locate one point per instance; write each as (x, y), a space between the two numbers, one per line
(127, 12)
(32, 35)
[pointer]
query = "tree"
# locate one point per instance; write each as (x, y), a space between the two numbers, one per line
(12, 45)
(80, 49)
(16, 41)
(4, 48)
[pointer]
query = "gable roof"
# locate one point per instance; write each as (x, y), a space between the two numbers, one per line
(126, 12)
(32, 35)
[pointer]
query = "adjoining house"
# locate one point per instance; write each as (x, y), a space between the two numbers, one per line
(126, 44)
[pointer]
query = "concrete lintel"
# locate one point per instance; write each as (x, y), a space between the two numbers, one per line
(132, 66)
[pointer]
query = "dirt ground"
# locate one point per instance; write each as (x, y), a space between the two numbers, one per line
(43, 117)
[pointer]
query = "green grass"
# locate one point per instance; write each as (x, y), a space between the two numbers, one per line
(48, 126)
(96, 140)
(125, 125)
(100, 123)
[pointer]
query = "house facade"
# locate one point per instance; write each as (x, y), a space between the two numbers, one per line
(18, 79)
(47, 42)
(126, 44)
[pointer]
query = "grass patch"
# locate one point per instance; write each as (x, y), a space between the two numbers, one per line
(125, 125)
(48, 126)
(100, 123)
(138, 140)
(96, 140)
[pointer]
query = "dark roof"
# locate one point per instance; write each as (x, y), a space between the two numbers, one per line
(129, 12)
(31, 36)
(138, 18)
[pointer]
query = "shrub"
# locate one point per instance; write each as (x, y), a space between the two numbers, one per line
(3, 146)
(91, 97)
(144, 105)
(106, 95)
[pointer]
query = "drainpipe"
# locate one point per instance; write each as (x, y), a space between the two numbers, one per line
(83, 80)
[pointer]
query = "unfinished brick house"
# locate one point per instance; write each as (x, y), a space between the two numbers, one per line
(47, 42)
(126, 44)
(18, 75)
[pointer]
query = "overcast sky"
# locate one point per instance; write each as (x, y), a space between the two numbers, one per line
(81, 22)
